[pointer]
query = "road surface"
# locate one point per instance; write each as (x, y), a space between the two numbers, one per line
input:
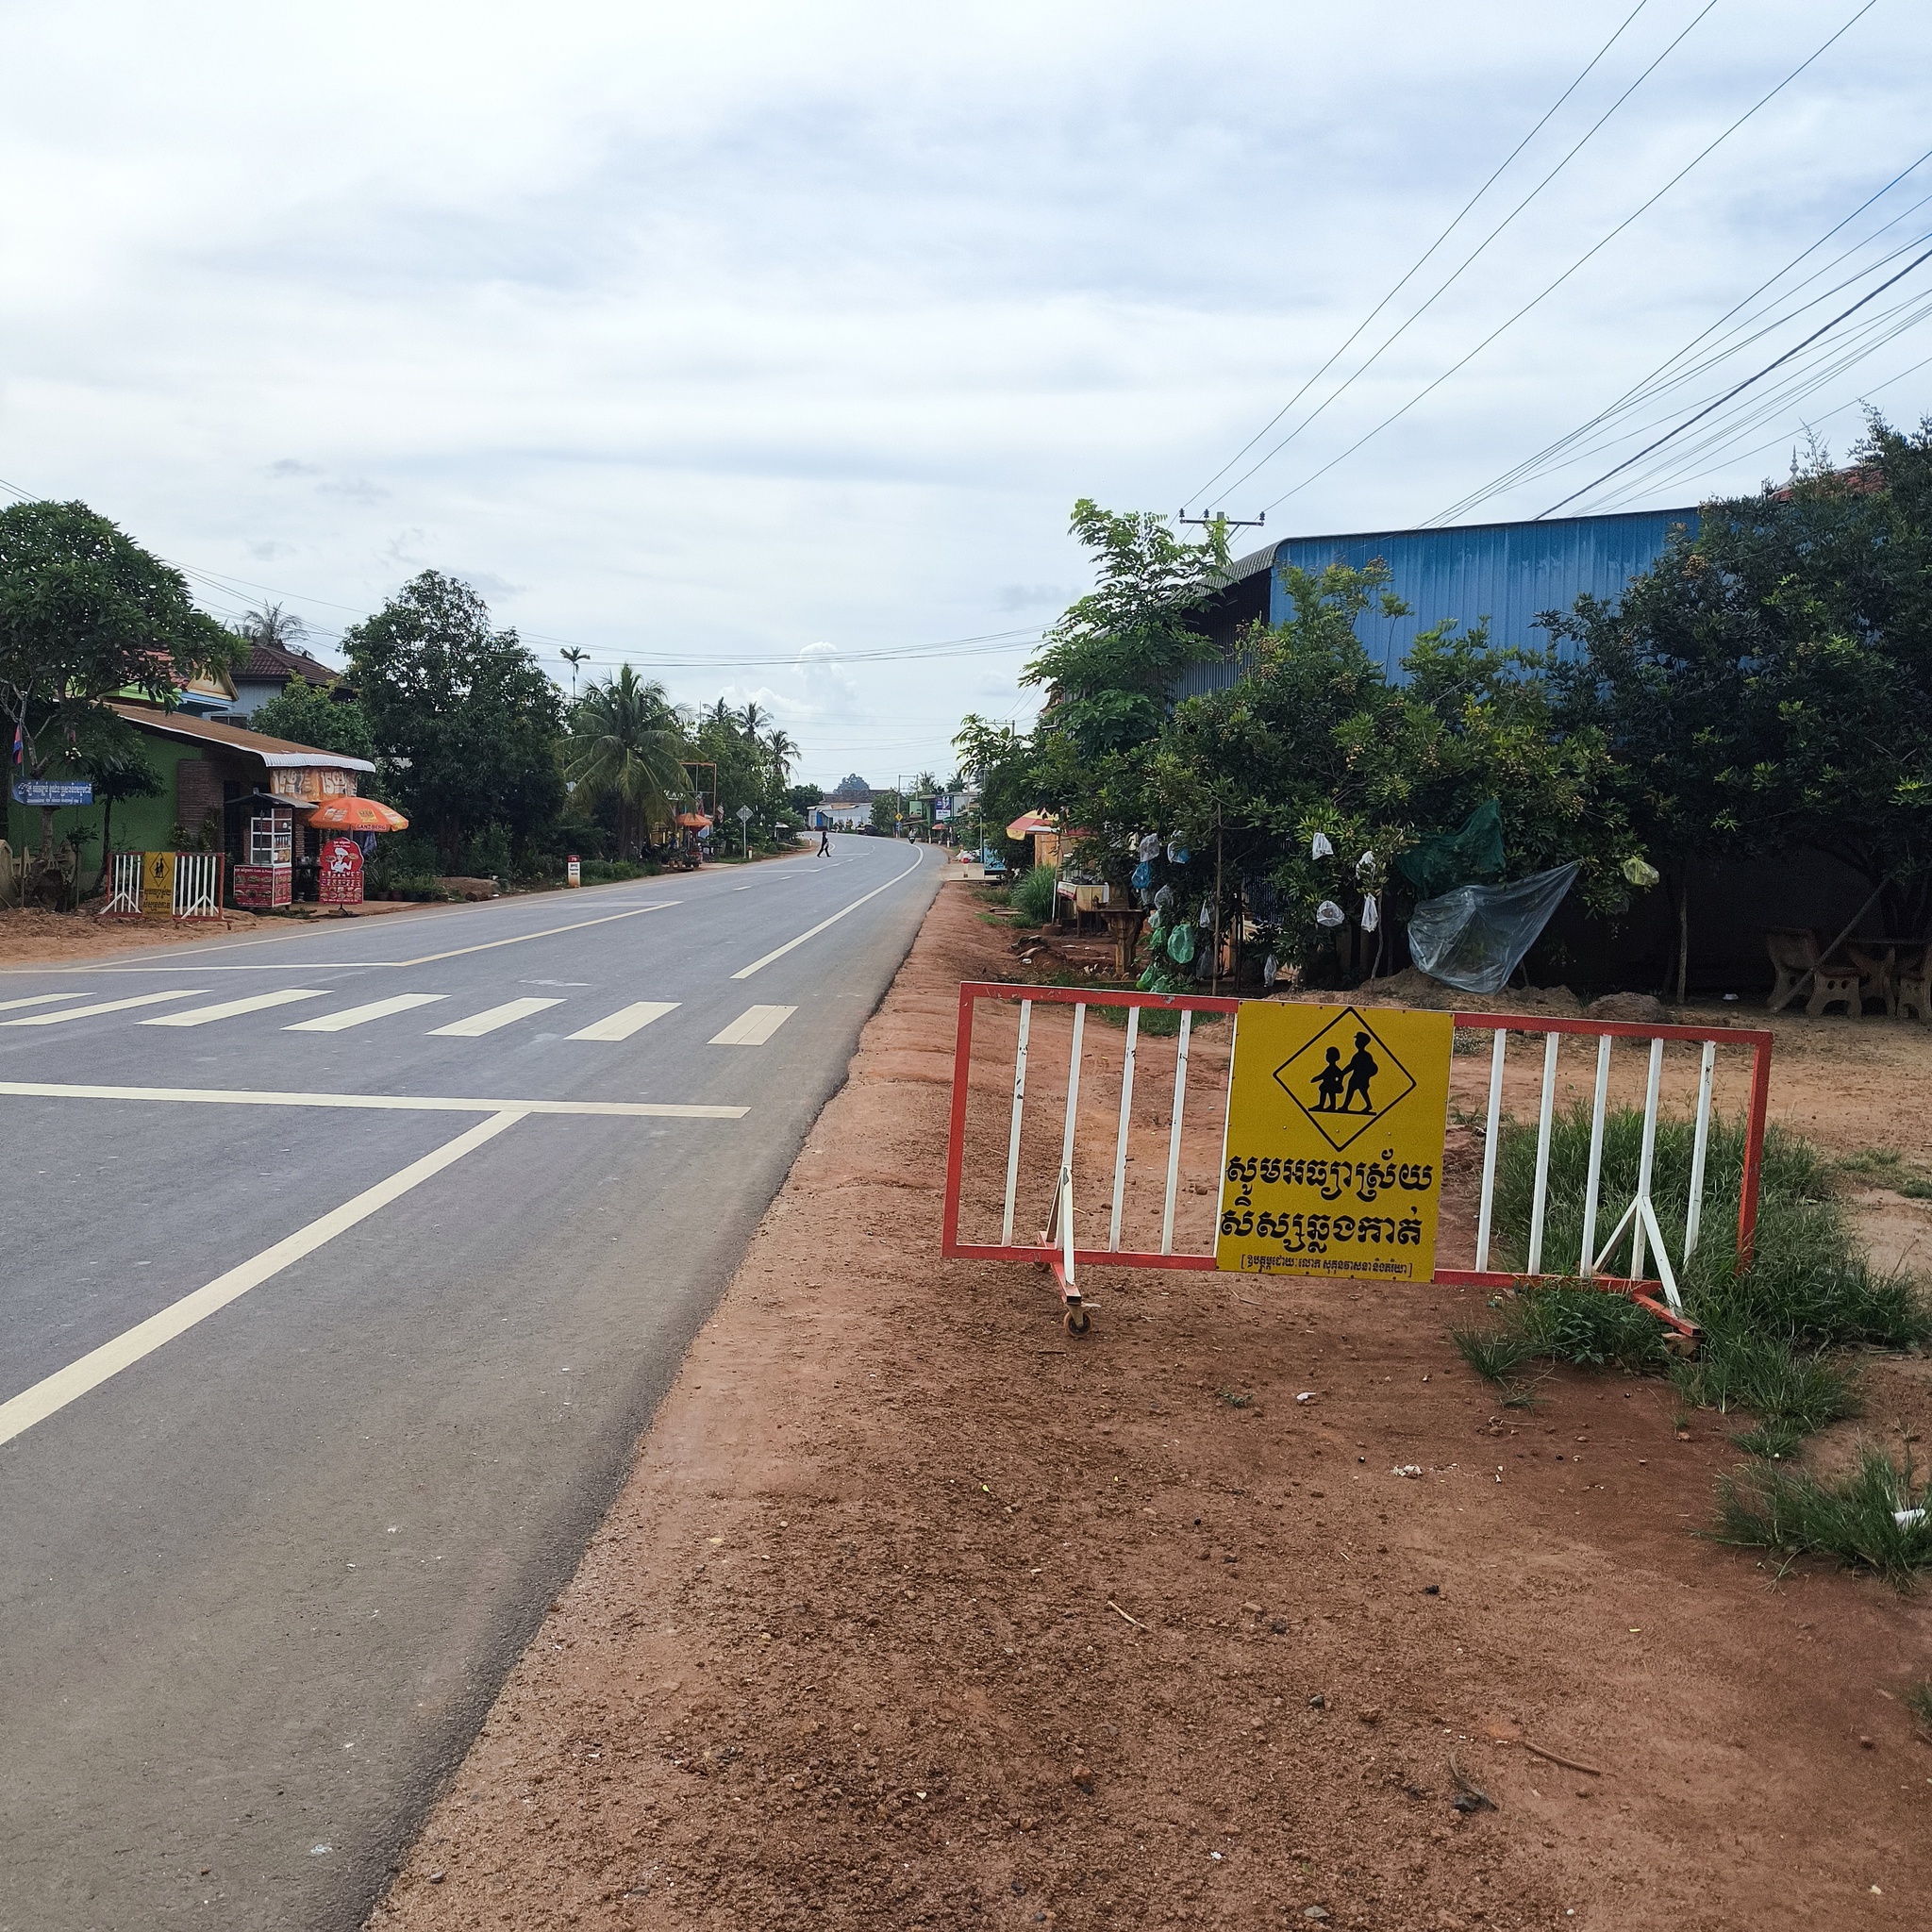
(341, 1269)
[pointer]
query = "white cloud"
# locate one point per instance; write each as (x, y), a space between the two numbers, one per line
(704, 334)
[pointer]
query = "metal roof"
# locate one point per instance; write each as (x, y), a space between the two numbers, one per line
(276, 753)
(1507, 574)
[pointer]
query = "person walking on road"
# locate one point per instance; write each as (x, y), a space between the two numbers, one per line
(825, 841)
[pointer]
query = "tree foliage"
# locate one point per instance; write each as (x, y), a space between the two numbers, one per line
(305, 713)
(463, 717)
(1767, 686)
(626, 742)
(86, 615)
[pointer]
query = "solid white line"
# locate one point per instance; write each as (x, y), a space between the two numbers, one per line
(380, 1103)
(39, 999)
(229, 1009)
(358, 1016)
(625, 1021)
(753, 1026)
(76, 1379)
(145, 999)
(518, 939)
(490, 1019)
(757, 965)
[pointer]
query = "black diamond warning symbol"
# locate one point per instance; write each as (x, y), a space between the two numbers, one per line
(1345, 1078)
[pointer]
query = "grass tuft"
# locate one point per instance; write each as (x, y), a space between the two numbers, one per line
(1919, 1702)
(1887, 1170)
(1854, 1518)
(1495, 1354)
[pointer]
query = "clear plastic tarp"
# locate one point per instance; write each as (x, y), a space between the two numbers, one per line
(1476, 937)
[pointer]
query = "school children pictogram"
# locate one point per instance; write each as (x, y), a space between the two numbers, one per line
(1345, 1078)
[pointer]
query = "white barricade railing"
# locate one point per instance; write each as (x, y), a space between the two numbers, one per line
(196, 891)
(197, 884)
(1639, 1225)
(124, 884)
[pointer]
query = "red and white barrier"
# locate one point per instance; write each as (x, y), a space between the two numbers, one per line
(1042, 1195)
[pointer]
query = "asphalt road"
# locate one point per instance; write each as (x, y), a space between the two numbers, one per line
(307, 1407)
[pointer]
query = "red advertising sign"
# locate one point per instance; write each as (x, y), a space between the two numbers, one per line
(263, 886)
(340, 881)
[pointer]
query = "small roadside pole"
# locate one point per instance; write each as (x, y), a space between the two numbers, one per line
(744, 824)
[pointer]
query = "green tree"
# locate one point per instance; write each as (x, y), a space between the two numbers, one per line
(464, 719)
(1110, 661)
(887, 809)
(1768, 684)
(625, 743)
(305, 713)
(87, 614)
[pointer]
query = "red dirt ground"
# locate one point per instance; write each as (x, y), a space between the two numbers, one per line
(917, 1611)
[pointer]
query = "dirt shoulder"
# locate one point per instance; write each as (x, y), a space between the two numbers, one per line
(916, 1611)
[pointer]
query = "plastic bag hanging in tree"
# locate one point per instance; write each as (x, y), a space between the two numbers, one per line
(1329, 914)
(1271, 968)
(1149, 847)
(1180, 946)
(1371, 913)
(1207, 918)
(1365, 865)
(1476, 937)
(1143, 876)
(1177, 851)
(1319, 847)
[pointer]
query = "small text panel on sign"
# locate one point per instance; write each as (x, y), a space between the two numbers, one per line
(1333, 1164)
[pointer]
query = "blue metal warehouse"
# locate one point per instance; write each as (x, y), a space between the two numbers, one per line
(1507, 574)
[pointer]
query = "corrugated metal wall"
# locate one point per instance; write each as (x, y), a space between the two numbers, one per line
(1507, 573)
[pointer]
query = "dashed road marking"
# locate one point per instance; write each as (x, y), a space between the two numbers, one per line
(144, 999)
(360, 1016)
(753, 1026)
(230, 1009)
(626, 1021)
(489, 1021)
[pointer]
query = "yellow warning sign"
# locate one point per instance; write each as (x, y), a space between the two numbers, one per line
(158, 885)
(1334, 1151)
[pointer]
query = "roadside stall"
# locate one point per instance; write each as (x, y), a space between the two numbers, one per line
(347, 826)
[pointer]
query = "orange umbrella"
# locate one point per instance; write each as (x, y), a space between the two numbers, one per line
(350, 814)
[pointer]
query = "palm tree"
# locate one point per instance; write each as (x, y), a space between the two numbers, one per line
(574, 657)
(271, 625)
(625, 741)
(783, 749)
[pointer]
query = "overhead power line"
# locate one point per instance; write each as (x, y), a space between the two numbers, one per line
(1589, 254)
(1815, 336)
(1395, 335)
(1554, 454)
(1415, 268)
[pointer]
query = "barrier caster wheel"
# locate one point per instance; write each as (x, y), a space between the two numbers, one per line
(1076, 1320)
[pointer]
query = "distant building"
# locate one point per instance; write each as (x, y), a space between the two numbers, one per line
(837, 813)
(1505, 575)
(269, 670)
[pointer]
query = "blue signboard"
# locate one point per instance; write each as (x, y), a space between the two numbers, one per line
(53, 791)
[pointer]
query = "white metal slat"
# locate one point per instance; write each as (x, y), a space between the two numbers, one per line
(1173, 1136)
(1120, 1146)
(1018, 1107)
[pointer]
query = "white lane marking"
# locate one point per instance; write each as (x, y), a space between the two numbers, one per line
(778, 953)
(381, 1102)
(626, 1021)
(229, 1009)
(518, 939)
(39, 999)
(753, 1026)
(490, 1019)
(78, 1378)
(145, 999)
(359, 1016)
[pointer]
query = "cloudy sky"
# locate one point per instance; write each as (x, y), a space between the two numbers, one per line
(768, 345)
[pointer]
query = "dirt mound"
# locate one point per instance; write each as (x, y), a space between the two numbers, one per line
(1633, 1008)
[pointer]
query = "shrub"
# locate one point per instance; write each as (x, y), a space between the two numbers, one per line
(1032, 897)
